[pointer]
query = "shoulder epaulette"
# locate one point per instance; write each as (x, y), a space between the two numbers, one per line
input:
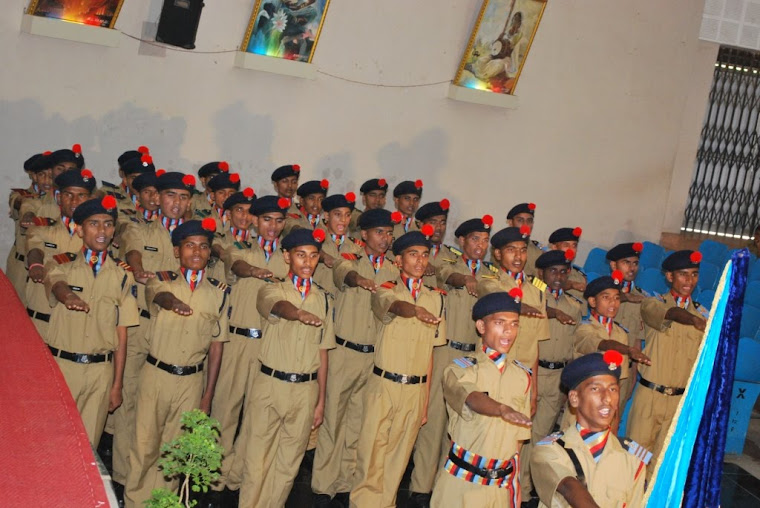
(122, 264)
(493, 275)
(541, 285)
(203, 212)
(388, 285)
(573, 297)
(221, 285)
(436, 289)
(523, 367)
(450, 260)
(551, 438)
(219, 234)
(294, 215)
(491, 266)
(466, 361)
(358, 241)
(109, 184)
(64, 258)
(659, 297)
(349, 256)
(622, 327)
(127, 211)
(454, 250)
(43, 221)
(273, 280)
(538, 244)
(242, 245)
(703, 311)
(24, 193)
(138, 220)
(635, 449)
(579, 270)
(314, 284)
(166, 276)
(117, 195)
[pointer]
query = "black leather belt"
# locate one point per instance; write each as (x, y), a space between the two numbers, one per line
(462, 346)
(80, 357)
(251, 333)
(492, 474)
(290, 377)
(551, 365)
(362, 348)
(667, 390)
(399, 378)
(20, 257)
(38, 315)
(144, 313)
(177, 370)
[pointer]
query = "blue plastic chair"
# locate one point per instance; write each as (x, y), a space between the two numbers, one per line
(709, 275)
(591, 276)
(754, 271)
(652, 280)
(750, 322)
(752, 294)
(705, 297)
(713, 252)
(651, 256)
(596, 261)
(745, 392)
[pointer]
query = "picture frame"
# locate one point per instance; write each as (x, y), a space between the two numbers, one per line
(102, 13)
(499, 44)
(287, 29)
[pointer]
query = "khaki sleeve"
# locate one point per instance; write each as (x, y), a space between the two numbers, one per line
(381, 303)
(549, 465)
(340, 270)
(637, 492)
(152, 288)
(458, 384)
(128, 313)
(524, 433)
(224, 326)
(132, 238)
(30, 205)
(441, 330)
(53, 276)
(34, 239)
(269, 295)
(653, 313)
(488, 286)
(586, 340)
(444, 271)
(328, 326)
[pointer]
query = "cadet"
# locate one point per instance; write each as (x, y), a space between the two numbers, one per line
(44, 242)
(396, 396)
(373, 193)
(338, 246)
(677, 325)
(587, 465)
(119, 191)
(309, 214)
(523, 214)
(204, 200)
(487, 396)
(625, 257)
(131, 169)
(285, 183)
(147, 195)
(67, 159)
(459, 275)
(188, 325)
(45, 203)
(289, 399)
(436, 214)
(566, 239)
(406, 199)
(356, 334)
(88, 329)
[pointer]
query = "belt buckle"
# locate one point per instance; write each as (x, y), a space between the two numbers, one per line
(404, 379)
(492, 474)
(84, 359)
(293, 378)
(365, 349)
(668, 390)
(179, 370)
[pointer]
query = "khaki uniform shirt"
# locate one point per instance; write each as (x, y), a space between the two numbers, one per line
(629, 316)
(347, 251)
(185, 340)
(43, 206)
(200, 201)
(18, 193)
(299, 219)
(398, 229)
(671, 346)
(591, 333)
(51, 240)
(353, 224)
(353, 306)
(291, 346)
(406, 344)
(616, 481)
(559, 347)
(534, 251)
(577, 275)
(445, 254)
(111, 297)
(532, 330)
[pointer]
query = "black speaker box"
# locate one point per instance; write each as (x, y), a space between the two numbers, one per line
(178, 24)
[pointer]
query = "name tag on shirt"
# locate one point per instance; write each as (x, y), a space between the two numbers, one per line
(51, 245)
(151, 249)
(76, 288)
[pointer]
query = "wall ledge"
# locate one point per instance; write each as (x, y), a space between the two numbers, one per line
(253, 61)
(59, 29)
(482, 97)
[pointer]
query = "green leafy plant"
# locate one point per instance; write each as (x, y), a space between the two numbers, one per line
(195, 456)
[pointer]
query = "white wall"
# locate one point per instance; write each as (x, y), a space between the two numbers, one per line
(611, 100)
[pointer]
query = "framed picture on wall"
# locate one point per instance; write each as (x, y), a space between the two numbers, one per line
(499, 45)
(286, 29)
(101, 13)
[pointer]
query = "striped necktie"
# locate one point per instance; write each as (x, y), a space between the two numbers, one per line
(94, 259)
(435, 249)
(240, 234)
(170, 224)
(302, 285)
(519, 277)
(500, 359)
(594, 440)
(627, 287)
(377, 261)
(147, 214)
(407, 223)
(193, 277)
(604, 321)
(556, 293)
(472, 264)
(414, 285)
(338, 239)
(681, 301)
(268, 246)
(71, 226)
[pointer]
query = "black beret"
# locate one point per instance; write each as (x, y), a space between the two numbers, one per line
(69, 155)
(144, 180)
(141, 164)
(206, 227)
(270, 204)
(41, 163)
(175, 180)
(509, 235)
(624, 250)
(213, 168)
(224, 181)
(286, 171)
(432, 209)
(339, 201)
(522, 208)
(408, 187)
(481, 225)
(594, 364)
(313, 187)
(129, 154)
(566, 235)
(245, 197)
(29, 163)
(375, 218)
(493, 303)
(599, 284)
(410, 239)
(76, 178)
(681, 260)
(553, 258)
(374, 184)
(302, 236)
(106, 206)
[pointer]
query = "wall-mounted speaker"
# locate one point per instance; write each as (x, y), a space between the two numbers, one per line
(179, 21)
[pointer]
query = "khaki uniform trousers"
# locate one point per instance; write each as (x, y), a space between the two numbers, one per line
(392, 418)
(451, 491)
(335, 458)
(280, 423)
(90, 385)
(649, 420)
(124, 417)
(233, 387)
(432, 441)
(161, 400)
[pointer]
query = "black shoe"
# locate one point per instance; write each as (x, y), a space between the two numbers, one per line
(417, 500)
(341, 500)
(212, 499)
(322, 501)
(531, 503)
(231, 498)
(118, 489)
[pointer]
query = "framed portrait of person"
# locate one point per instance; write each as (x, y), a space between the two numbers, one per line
(287, 29)
(102, 13)
(499, 45)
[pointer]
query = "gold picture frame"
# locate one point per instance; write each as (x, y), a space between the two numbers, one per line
(287, 29)
(102, 13)
(499, 45)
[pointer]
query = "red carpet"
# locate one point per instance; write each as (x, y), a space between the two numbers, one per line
(45, 458)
